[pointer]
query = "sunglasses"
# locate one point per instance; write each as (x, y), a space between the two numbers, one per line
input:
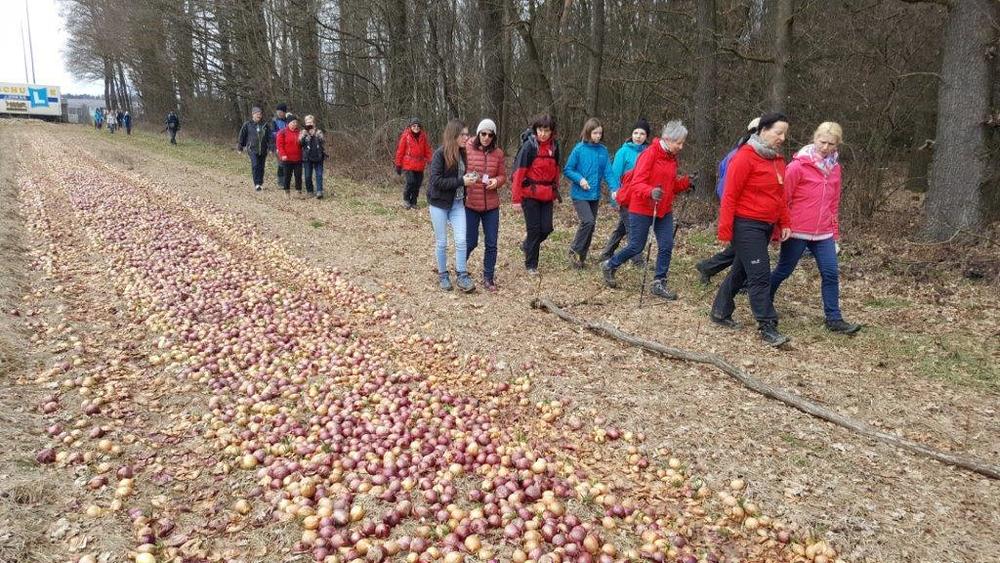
(487, 134)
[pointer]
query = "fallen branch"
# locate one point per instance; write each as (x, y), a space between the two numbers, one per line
(770, 392)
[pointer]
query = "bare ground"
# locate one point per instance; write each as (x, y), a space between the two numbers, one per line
(926, 365)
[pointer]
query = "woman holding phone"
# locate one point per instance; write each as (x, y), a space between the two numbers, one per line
(449, 178)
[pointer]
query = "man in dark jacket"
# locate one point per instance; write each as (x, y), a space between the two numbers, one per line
(278, 122)
(126, 122)
(255, 139)
(173, 123)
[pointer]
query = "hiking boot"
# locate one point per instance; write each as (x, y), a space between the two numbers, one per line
(490, 285)
(258, 187)
(727, 322)
(769, 333)
(445, 281)
(660, 289)
(609, 274)
(575, 260)
(319, 195)
(533, 272)
(464, 282)
(704, 277)
(841, 326)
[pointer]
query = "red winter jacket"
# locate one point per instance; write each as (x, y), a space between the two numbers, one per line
(485, 163)
(753, 191)
(413, 152)
(287, 145)
(656, 167)
(541, 176)
(813, 197)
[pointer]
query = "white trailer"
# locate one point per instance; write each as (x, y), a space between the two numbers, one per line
(30, 100)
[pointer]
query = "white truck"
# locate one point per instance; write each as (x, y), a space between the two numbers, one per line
(18, 99)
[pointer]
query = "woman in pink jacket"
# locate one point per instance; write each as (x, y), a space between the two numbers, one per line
(812, 188)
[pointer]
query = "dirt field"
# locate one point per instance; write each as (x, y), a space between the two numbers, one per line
(924, 367)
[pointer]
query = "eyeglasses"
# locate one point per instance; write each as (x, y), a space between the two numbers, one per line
(487, 134)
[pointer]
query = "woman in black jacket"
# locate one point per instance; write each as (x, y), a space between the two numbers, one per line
(446, 195)
(313, 154)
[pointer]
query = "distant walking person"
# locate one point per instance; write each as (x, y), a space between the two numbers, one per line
(173, 124)
(290, 154)
(724, 258)
(255, 139)
(112, 121)
(624, 162)
(413, 153)
(587, 166)
(126, 122)
(313, 155)
(279, 122)
(754, 208)
(812, 189)
(98, 118)
(536, 186)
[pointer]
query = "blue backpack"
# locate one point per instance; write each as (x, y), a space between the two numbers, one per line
(720, 184)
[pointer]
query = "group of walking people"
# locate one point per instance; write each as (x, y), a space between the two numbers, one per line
(762, 201)
(299, 146)
(114, 119)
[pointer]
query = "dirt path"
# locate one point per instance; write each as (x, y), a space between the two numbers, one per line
(874, 502)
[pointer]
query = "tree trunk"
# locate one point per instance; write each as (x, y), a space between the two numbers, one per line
(494, 73)
(959, 170)
(182, 37)
(705, 94)
(400, 74)
(782, 54)
(596, 58)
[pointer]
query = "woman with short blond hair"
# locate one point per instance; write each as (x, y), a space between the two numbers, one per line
(812, 189)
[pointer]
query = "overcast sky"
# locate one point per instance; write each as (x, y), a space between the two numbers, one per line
(48, 34)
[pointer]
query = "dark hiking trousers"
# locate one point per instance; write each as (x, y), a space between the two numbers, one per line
(751, 268)
(719, 262)
(538, 224)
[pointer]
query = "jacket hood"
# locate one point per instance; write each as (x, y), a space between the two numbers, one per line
(635, 147)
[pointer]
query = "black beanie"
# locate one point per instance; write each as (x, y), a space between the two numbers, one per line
(281, 107)
(643, 124)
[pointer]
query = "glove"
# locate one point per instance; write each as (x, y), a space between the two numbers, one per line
(657, 193)
(399, 170)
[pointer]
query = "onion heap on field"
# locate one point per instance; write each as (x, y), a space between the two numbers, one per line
(380, 443)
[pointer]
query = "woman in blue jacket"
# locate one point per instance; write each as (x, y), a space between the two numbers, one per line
(625, 160)
(587, 165)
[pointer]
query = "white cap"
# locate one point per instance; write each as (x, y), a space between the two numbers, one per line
(486, 125)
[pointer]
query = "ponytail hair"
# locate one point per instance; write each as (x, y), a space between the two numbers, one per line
(764, 123)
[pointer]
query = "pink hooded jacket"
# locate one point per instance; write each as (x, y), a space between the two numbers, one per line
(813, 195)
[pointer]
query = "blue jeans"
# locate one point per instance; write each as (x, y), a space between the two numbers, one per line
(310, 169)
(638, 233)
(257, 168)
(825, 252)
(440, 218)
(491, 232)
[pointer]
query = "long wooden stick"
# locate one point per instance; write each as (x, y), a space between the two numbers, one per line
(776, 393)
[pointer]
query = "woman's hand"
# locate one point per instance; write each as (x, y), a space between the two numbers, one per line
(283, 158)
(492, 184)
(585, 184)
(469, 179)
(785, 233)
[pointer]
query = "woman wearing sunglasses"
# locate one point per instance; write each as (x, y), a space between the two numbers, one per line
(482, 200)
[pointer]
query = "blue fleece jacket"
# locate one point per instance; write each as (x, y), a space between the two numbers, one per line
(625, 160)
(590, 161)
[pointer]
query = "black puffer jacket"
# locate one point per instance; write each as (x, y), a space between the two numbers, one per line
(446, 184)
(313, 146)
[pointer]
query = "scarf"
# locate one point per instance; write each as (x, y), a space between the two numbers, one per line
(762, 148)
(811, 153)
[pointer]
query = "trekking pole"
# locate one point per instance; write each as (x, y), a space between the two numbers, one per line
(649, 249)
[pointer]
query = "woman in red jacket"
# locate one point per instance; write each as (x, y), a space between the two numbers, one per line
(649, 196)
(413, 153)
(482, 198)
(286, 143)
(753, 206)
(536, 185)
(812, 189)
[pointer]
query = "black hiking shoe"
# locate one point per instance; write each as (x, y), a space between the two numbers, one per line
(769, 334)
(609, 275)
(704, 277)
(660, 289)
(841, 326)
(575, 260)
(727, 322)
